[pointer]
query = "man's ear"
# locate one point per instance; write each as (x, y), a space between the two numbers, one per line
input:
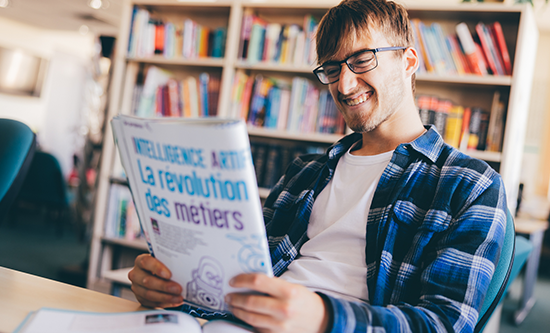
(410, 61)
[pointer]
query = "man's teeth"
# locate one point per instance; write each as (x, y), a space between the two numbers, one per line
(358, 100)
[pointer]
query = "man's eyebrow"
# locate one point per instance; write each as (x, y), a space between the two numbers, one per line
(348, 55)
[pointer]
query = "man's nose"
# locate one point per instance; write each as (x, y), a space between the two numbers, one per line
(347, 81)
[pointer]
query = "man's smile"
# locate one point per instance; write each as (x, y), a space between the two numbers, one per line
(358, 100)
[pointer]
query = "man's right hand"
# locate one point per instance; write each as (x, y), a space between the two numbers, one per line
(152, 285)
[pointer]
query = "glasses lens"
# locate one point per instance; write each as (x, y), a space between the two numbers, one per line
(329, 73)
(362, 62)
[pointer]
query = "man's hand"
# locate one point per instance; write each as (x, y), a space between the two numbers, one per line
(151, 283)
(283, 307)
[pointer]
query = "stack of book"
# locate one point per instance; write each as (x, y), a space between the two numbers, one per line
(465, 127)
(122, 220)
(461, 52)
(151, 36)
(162, 95)
(295, 106)
(271, 159)
(263, 41)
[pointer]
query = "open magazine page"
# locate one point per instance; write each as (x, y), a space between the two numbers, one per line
(63, 321)
(196, 195)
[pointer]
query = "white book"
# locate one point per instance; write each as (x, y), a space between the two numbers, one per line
(49, 320)
(195, 192)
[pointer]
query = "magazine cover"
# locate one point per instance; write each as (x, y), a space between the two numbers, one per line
(195, 192)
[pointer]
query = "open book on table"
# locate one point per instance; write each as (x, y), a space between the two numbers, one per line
(196, 195)
(47, 320)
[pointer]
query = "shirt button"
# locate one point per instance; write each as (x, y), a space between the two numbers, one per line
(286, 257)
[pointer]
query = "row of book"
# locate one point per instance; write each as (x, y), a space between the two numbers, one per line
(465, 127)
(121, 220)
(296, 106)
(186, 38)
(461, 52)
(272, 159)
(263, 41)
(164, 96)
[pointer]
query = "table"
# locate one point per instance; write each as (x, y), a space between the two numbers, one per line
(21, 293)
(534, 229)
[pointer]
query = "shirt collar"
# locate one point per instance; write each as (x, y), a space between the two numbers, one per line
(429, 144)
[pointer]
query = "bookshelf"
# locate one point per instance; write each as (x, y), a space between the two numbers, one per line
(109, 255)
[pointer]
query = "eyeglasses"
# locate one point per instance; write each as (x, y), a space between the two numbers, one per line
(359, 63)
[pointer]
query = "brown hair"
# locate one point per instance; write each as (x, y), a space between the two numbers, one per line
(354, 18)
(351, 18)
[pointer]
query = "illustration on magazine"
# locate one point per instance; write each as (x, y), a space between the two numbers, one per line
(206, 287)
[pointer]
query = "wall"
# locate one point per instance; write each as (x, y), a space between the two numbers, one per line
(536, 159)
(55, 114)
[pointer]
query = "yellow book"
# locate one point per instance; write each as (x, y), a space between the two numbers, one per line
(454, 126)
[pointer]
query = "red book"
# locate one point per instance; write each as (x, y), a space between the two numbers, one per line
(496, 29)
(486, 49)
(490, 49)
(473, 52)
(159, 37)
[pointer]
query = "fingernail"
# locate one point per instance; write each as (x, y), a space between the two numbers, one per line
(232, 281)
(174, 290)
(164, 274)
(176, 300)
(227, 299)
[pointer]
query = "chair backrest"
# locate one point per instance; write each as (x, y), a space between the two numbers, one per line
(44, 183)
(499, 282)
(17, 146)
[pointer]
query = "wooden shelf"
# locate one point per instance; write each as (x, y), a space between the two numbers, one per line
(161, 60)
(284, 135)
(468, 90)
(275, 67)
(489, 156)
(139, 244)
(118, 275)
(118, 180)
(469, 79)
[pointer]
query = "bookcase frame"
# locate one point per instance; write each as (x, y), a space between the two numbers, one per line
(108, 257)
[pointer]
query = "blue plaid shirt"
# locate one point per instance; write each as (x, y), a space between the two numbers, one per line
(434, 233)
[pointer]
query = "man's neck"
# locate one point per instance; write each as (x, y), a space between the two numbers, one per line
(403, 127)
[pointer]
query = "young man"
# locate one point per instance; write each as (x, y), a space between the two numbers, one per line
(390, 229)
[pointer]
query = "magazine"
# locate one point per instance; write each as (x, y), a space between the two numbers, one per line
(48, 320)
(195, 192)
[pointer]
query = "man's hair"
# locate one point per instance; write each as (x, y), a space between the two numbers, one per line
(354, 18)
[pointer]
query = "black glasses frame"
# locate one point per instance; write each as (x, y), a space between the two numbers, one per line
(319, 72)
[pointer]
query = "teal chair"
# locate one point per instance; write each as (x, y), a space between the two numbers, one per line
(45, 189)
(17, 146)
(513, 256)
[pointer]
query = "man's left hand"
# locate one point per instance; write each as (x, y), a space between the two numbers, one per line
(282, 307)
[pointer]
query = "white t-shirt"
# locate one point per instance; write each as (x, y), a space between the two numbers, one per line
(333, 260)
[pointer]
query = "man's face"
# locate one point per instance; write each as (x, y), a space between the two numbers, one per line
(369, 99)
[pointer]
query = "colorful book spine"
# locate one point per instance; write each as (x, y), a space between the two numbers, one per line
(490, 50)
(496, 29)
(475, 59)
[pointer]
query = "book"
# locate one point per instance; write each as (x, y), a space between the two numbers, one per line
(498, 35)
(246, 30)
(490, 49)
(495, 131)
(50, 320)
(471, 50)
(195, 193)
